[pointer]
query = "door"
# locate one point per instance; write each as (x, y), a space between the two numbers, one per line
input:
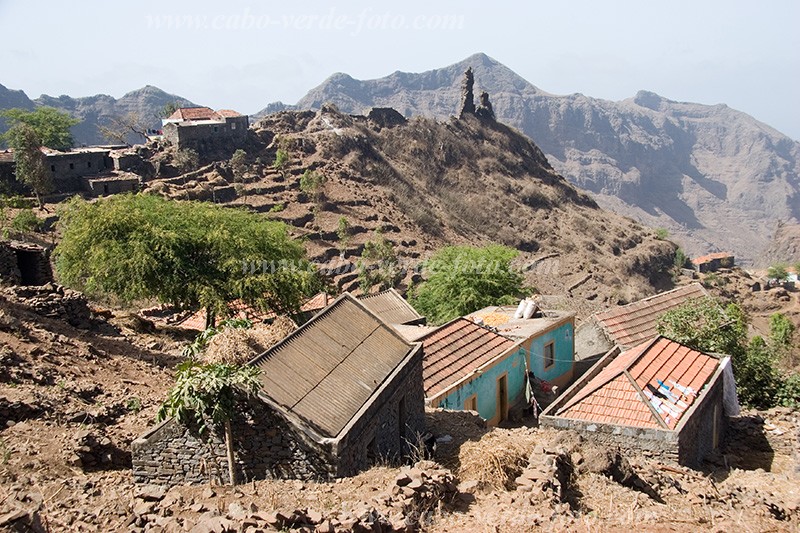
(502, 398)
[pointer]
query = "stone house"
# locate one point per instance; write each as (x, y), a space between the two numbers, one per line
(660, 397)
(713, 262)
(339, 393)
(23, 263)
(628, 325)
(203, 129)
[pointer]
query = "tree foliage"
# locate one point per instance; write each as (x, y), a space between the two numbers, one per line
(186, 160)
(187, 254)
(378, 266)
(29, 161)
(778, 271)
(703, 324)
(463, 279)
(124, 128)
(239, 163)
(52, 126)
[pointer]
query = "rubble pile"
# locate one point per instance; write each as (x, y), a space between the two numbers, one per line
(92, 450)
(547, 477)
(54, 301)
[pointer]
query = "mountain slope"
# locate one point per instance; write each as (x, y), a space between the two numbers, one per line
(714, 176)
(98, 110)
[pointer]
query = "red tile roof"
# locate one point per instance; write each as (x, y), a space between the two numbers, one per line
(229, 113)
(711, 257)
(194, 113)
(455, 351)
(634, 323)
(649, 386)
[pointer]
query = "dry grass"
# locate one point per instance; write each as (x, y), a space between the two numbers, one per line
(238, 346)
(497, 458)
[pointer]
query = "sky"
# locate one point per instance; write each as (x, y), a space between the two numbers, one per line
(244, 55)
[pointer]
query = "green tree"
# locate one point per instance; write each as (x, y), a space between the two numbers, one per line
(758, 381)
(52, 126)
(781, 334)
(463, 279)
(343, 233)
(703, 324)
(26, 221)
(29, 161)
(203, 392)
(188, 254)
(378, 266)
(778, 271)
(239, 163)
(186, 160)
(281, 159)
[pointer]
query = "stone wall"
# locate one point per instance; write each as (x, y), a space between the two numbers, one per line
(207, 137)
(696, 439)
(379, 432)
(24, 264)
(113, 185)
(66, 169)
(266, 447)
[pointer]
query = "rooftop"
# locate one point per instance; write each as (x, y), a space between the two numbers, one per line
(649, 386)
(327, 370)
(631, 324)
(391, 307)
(711, 257)
(195, 114)
(457, 350)
(501, 319)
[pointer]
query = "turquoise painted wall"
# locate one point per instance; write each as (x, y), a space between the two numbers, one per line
(485, 385)
(564, 338)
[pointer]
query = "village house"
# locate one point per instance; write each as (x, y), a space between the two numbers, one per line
(660, 397)
(629, 325)
(203, 129)
(339, 393)
(548, 338)
(468, 366)
(713, 262)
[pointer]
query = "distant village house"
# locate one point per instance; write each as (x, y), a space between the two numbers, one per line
(203, 129)
(713, 262)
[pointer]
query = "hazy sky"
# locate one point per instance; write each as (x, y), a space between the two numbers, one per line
(244, 55)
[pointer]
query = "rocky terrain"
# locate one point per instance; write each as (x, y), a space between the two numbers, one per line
(716, 178)
(96, 111)
(425, 184)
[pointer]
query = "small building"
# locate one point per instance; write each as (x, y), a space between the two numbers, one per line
(113, 183)
(203, 129)
(660, 397)
(23, 263)
(468, 366)
(629, 325)
(548, 338)
(67, 169)
(713, 262)
(339, 393)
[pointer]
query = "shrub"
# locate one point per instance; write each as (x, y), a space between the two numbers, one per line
(186, 160)
(26, 221)
(778, 271)
(281, 159)
(662, 233)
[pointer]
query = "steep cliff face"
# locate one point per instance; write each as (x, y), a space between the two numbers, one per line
(715, 177)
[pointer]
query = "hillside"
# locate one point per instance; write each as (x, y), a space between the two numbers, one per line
(715, 177)
(96, 111)
(427, 184)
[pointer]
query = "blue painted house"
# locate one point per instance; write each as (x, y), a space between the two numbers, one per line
(479, 363)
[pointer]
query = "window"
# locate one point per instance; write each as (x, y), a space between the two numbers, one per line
(216, 129)
(233, 125)
(52, 168)
(549, 355)
(88, 164)
(72, 166)
(471, 403)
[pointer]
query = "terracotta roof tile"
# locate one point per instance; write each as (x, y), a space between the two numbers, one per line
(711, 257)
(669, 374)
(456, 350)
(634, 323)
(194, 113)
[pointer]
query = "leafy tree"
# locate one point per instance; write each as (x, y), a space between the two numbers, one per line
(203, 392)
(702, 324)
(239, 163)
(29, 161)
(188, 254)
(378, 266)
(758, 381)
(778, 271)
(343, 233)
(781, 334)
(281, 159)
(186, 160)
(51, 125)
(463, 279)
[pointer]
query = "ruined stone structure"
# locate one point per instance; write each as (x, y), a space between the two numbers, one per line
(485, 109)
(205, 130)
(339, 393)
(24, 263)
(119, 183)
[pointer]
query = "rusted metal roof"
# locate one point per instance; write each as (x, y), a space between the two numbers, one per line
(634, 323)
(391, 307)
(327, 370)
(649, 386)
(456, 350)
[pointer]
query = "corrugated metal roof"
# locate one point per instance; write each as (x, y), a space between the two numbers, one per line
(651, 386)
(456, 350)
(329, 368)
(390, 306)
(634, 323)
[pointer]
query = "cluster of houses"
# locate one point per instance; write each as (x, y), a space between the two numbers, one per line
(350, 386)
